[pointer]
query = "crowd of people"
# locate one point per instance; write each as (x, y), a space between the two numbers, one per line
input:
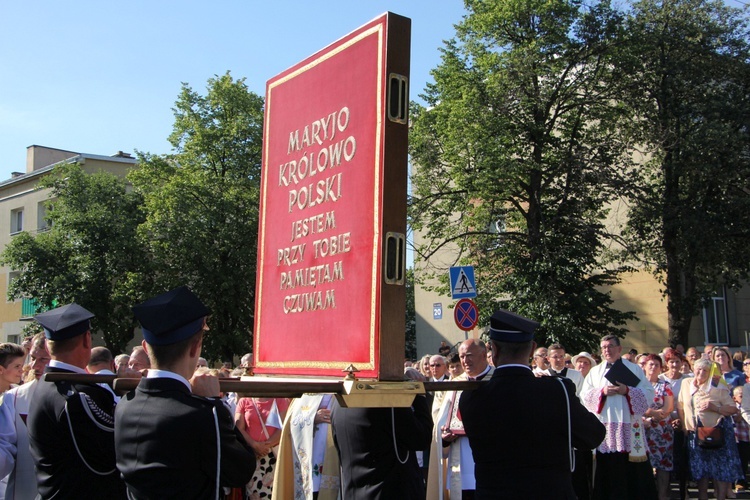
(613, 424)
(651, 431)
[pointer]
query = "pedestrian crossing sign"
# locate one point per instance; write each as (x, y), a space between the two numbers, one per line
(463, 285)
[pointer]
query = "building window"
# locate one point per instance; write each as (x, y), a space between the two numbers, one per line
(16, 221)
(15, 339)
(41, 217)
(715, 319)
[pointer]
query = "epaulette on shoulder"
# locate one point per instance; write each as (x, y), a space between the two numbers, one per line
(98, 415)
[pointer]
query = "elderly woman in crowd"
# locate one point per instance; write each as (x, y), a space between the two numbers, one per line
(720, 355)
(657, 421)
(702, 404)
(583, 362)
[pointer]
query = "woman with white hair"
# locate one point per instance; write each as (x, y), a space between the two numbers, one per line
(701, 404)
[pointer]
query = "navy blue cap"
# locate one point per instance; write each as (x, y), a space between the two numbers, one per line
(65, 322)
(506, 326)
(171, 317)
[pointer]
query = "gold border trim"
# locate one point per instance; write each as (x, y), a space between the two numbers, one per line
(379, 30)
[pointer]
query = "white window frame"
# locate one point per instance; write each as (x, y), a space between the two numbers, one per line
(16, 220)
(716, 319)
(41, 214)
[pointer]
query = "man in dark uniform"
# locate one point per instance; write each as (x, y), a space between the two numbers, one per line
(71, 425)
(377, 449)
(173, 434)
(515, 414)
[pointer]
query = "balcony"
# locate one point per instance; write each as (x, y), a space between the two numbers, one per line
(29, 307)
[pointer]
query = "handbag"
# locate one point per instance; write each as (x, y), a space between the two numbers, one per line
(709, 437)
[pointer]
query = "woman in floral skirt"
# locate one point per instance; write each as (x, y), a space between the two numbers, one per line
(702, 404)
(658, 424)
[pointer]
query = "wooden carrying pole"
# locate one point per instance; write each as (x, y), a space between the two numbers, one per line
(349, 391)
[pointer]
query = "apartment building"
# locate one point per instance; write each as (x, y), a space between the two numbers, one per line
(725, 320)
(22, 208)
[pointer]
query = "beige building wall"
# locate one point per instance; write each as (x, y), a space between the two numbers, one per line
(639, 291)
(19, 194)
(431, 331)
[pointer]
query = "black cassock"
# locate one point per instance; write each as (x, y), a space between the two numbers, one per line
(71, 436)
(517, 425)
(172, 444)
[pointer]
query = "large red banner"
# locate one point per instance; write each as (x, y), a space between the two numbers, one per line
(318, 291)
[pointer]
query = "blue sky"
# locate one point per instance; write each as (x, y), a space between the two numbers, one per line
(99, 76)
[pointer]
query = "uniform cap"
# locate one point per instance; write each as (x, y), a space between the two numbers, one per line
(65, 322)
(506, 326)
(171, 317)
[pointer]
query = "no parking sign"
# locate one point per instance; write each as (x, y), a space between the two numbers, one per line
(466, 314)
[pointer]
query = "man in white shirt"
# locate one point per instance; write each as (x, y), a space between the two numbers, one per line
(439, 368)
(539, 362)
(622, 467)
(139, 359)
(449, 440)
(102, 363)
(556, 357)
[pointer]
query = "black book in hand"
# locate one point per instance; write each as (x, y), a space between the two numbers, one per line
(621, 373)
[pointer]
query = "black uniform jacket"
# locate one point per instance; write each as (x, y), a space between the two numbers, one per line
(517, 425)
(368, 440)
(173, 444)
(71, 437)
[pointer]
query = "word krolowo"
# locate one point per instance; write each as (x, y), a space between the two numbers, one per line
(311, 164)
(312, 133)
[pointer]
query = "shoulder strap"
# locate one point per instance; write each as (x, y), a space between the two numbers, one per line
(218, 453)
(571, 454)
(696, 420)
(260, 417)
(92, 411)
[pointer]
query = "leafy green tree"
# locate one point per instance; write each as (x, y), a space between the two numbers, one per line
(90, 255)
(202, 205)
(518, 155)
(687, 64)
